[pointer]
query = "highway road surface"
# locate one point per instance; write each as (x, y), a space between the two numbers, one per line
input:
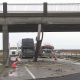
(44, 69)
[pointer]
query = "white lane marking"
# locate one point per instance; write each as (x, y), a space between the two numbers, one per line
(30, 73)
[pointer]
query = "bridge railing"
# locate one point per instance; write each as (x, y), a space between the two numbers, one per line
(25, 8)
(66, 7)
(1, 8)
(41, 8)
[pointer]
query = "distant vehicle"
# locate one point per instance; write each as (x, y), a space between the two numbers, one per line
(46, 51)
(13, 52)
(27, 48)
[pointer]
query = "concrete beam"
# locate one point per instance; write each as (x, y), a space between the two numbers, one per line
(38, 20)
(38, 44)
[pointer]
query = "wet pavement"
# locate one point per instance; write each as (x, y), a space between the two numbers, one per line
(75, 76)
(44, 69)
(19, 74)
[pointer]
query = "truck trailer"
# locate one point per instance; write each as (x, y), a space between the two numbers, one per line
(27, 48)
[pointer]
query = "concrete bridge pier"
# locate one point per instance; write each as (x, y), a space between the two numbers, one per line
(38, 44)
(5, 37)
(5, 45)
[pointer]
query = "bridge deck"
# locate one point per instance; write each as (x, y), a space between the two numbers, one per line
(53, 17)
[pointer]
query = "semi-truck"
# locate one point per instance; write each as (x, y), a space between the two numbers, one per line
(27, 48)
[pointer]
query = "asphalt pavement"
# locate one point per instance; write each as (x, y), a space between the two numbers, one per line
(75, 76)
(44, 69)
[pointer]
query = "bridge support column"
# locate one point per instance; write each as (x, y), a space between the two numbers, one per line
(38, 43)
(5, 45)
(5, 37)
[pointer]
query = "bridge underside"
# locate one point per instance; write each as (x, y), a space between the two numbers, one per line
(45, 28)
(52, 22)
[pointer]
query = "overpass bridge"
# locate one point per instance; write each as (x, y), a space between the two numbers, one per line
(33, 17)
(52, 17)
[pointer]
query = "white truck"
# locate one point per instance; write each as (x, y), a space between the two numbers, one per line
(13, 54)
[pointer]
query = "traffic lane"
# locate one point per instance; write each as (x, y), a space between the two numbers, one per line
(43, 70)
(41, 73)
(75, 76)
(22, 73)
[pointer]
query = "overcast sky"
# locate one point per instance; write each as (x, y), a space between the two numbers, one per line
(60, 40)
(40, 1)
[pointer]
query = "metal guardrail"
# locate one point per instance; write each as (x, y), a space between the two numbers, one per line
(38, 8)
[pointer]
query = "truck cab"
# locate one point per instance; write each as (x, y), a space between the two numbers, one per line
(13, 54)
